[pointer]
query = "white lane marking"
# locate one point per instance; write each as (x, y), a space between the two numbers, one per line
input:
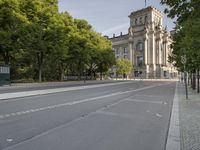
(18, 113)
(9, 140)
(49, 91)
(74, 102)
(165, 103)
(143, 101)
(159, 115)
(7, 115)
(13, 114)
(149, 95)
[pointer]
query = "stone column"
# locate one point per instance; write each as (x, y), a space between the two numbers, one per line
(147, 71)
(146, 50)
(159, 52)
(146, 56)
(130, 52)
(166, 53)
(133, 53)
(154, 56)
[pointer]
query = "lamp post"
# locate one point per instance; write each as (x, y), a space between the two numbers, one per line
(184, 60)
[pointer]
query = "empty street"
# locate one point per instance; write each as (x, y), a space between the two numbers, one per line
(132, 115)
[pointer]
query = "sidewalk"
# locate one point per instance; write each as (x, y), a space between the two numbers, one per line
(189, 118)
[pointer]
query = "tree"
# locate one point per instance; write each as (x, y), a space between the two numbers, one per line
(107, 57)
(89, 51)
(42, 43)
(38, 37)
(11, 20)
(124, 67)
(103, 57)
(186, 39)
(56, 62)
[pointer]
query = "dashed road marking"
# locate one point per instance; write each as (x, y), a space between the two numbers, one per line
(77, 102)
(7, 115)
(159, 115)
(144, 101)
(13, 114)
(9, 140)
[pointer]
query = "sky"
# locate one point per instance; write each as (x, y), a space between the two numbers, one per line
(109, 16)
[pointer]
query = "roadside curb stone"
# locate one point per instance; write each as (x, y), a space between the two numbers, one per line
(5, 96)
(173, 139)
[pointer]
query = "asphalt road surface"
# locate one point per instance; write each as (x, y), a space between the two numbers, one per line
(128, 116)
(49, 85)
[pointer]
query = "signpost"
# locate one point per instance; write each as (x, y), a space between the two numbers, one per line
(4, 75)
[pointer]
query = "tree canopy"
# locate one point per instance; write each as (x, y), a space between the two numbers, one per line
(41, 43)
(186, 41)
(123, 67)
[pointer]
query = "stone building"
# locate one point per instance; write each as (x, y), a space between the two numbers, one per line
(147, 45)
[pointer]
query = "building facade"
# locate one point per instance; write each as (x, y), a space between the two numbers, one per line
(147, 45)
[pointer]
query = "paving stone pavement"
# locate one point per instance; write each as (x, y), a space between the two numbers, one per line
(189, 113)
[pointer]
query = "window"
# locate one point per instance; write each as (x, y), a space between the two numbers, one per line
(146, 19)
(117, 51)
(140, 20)
(140, 46)
(139, 61)
(135, 21)
(125, 50)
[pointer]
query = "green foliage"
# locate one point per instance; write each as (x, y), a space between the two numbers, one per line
(186, 41)
(124, 66)
(41, 43)
(11, 21)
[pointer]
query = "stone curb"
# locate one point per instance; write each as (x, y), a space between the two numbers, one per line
(5, 96)
(173, 139)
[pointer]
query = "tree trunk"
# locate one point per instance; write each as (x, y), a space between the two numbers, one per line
(191, 80)
(80, 70)
(6, 58)
(40, 63)
(40, 73)
(194, 81)
(61, 72)
(198, 88)
(62, 75)
(101, 75)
